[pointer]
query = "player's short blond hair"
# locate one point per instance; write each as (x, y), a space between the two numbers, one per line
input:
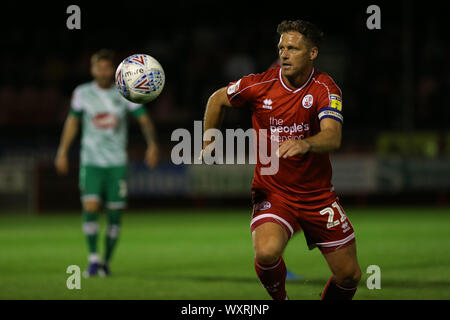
(103, 54)
(309, 30)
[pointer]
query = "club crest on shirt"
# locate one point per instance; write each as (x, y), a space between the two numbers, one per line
(307, 101)
(264, 205)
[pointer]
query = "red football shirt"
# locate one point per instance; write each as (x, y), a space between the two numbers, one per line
(287, 113)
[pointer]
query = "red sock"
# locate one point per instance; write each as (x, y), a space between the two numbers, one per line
(273, 278)
(334, 291)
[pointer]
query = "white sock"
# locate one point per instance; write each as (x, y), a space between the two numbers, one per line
(94, 258)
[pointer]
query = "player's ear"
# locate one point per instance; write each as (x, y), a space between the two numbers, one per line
(313, 53)
(93, 71)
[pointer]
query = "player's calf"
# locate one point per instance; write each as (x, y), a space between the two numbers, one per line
(337, 291)
(273, 278)
(112, 236)
(90, 228)
(344, 265)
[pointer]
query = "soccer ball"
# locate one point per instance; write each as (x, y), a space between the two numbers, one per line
(140, 78)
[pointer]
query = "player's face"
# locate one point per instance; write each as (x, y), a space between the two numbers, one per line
(296, 55)
(103, 73)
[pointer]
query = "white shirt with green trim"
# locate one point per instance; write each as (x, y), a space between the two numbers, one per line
(104, 124)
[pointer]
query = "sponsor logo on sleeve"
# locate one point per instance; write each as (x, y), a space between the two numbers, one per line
(233, 88)
(330, 113)
(264, 205)
(307, 101)
(335, 102)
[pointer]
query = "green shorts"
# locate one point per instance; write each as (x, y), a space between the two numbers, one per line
(108, 184)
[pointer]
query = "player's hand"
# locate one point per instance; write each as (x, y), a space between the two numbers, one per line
(207, 151)
(200, 157)
(62, 164)
(290, 148)
(152, 155)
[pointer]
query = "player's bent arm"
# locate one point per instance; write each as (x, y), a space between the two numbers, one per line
(70, 130)
(148, 129)
(215, 112)
(149, 132)
(328, 139)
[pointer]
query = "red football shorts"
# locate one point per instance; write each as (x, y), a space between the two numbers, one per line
(327, 228)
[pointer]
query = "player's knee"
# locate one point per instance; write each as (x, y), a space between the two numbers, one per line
(350, 277)
(267, 254)
(91, 206)
(357, 275)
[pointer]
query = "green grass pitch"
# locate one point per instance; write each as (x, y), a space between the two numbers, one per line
(207, 254)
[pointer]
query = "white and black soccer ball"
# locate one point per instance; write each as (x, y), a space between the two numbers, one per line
(140, 78)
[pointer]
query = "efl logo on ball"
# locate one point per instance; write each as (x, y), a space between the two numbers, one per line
(140, 78)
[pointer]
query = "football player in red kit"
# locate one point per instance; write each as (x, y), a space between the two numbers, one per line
(300, 110)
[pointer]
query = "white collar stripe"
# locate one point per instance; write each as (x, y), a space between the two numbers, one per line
(255, 84)
(296, 90)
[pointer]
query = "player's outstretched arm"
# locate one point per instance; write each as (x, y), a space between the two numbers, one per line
(215, 112)
(149, 133)
(69, 133)
(327, 140)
